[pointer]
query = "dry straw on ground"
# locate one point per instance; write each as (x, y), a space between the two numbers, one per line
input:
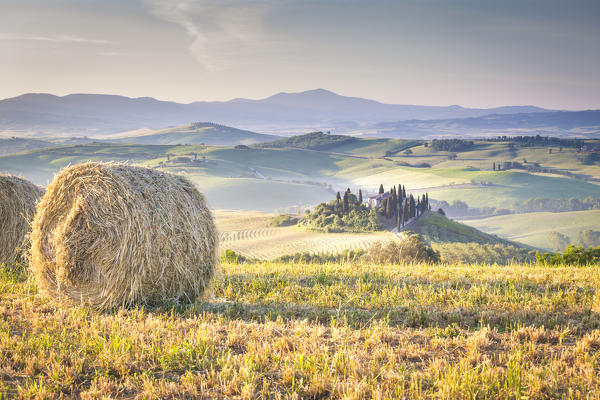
(17, 207)
(114, 235)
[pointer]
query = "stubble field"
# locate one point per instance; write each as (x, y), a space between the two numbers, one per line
(318, 331)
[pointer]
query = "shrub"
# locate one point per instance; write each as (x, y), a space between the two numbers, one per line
(231, 256)
(345, 256)
(283, 220)
(573, 255)
(411, 249)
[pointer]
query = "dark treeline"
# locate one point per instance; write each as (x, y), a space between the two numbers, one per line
(537, 140)
(459, 208)
(451, 144)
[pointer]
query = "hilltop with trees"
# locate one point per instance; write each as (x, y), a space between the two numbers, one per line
(349, 212)
(309, 141)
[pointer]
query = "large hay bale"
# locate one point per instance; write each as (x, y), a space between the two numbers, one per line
(17, 207)
(114, 235)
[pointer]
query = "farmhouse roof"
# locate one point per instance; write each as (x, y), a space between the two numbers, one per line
(380, 196)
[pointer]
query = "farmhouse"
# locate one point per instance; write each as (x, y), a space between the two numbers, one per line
(377, 200)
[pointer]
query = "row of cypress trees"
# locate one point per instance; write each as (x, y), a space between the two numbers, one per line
(398, 205)
(402, 207)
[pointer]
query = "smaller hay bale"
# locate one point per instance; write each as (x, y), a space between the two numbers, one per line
(17, 207)
(113, 235)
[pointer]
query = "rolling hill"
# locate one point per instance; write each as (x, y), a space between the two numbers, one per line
(439, 229)
(18, 145)
(533, 228)
(197, 133)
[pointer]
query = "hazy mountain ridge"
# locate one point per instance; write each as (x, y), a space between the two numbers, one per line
(99, 114)
(559, 123)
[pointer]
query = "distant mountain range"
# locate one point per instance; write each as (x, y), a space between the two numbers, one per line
(97, 115)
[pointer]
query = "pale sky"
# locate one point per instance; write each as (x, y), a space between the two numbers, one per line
(476, 53)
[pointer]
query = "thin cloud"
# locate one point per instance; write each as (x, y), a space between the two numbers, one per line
(221, 30)
(53, 38)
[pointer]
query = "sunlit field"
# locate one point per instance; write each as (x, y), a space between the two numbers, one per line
(317, 331)
(249, 234)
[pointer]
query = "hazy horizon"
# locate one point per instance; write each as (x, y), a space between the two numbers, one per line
(474, 54)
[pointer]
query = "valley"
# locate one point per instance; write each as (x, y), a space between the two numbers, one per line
(293, 175)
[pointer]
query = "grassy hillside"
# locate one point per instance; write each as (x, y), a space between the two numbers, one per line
(502, 188)
(40, 165)
(318, 331)
(533, 228)
(198, 133)
(18, 145)
(439, 229)
(283, 177)
(360, 147)
(310, 141)
(483, 153)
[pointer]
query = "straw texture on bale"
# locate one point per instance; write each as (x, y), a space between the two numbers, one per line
(114, 235)
(17, 207)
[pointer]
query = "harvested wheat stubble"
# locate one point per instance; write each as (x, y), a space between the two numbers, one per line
(17, 207)
(114, 235)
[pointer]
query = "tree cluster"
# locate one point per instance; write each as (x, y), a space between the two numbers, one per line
(346, 213)
(451, 144)
(588, 238)
(312, 141)
(401, 208)
(573, 255)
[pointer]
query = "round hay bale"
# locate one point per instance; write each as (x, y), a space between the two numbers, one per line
(114, 235)
(17, 207)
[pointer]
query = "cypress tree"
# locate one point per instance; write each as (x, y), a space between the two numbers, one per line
(398, 222)
(412, 207)
(388, 207)
(345, 208)
(399, 207)
(381, 189)
(403, 191)
(360, 196)
(404, 213)
(494, 166)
